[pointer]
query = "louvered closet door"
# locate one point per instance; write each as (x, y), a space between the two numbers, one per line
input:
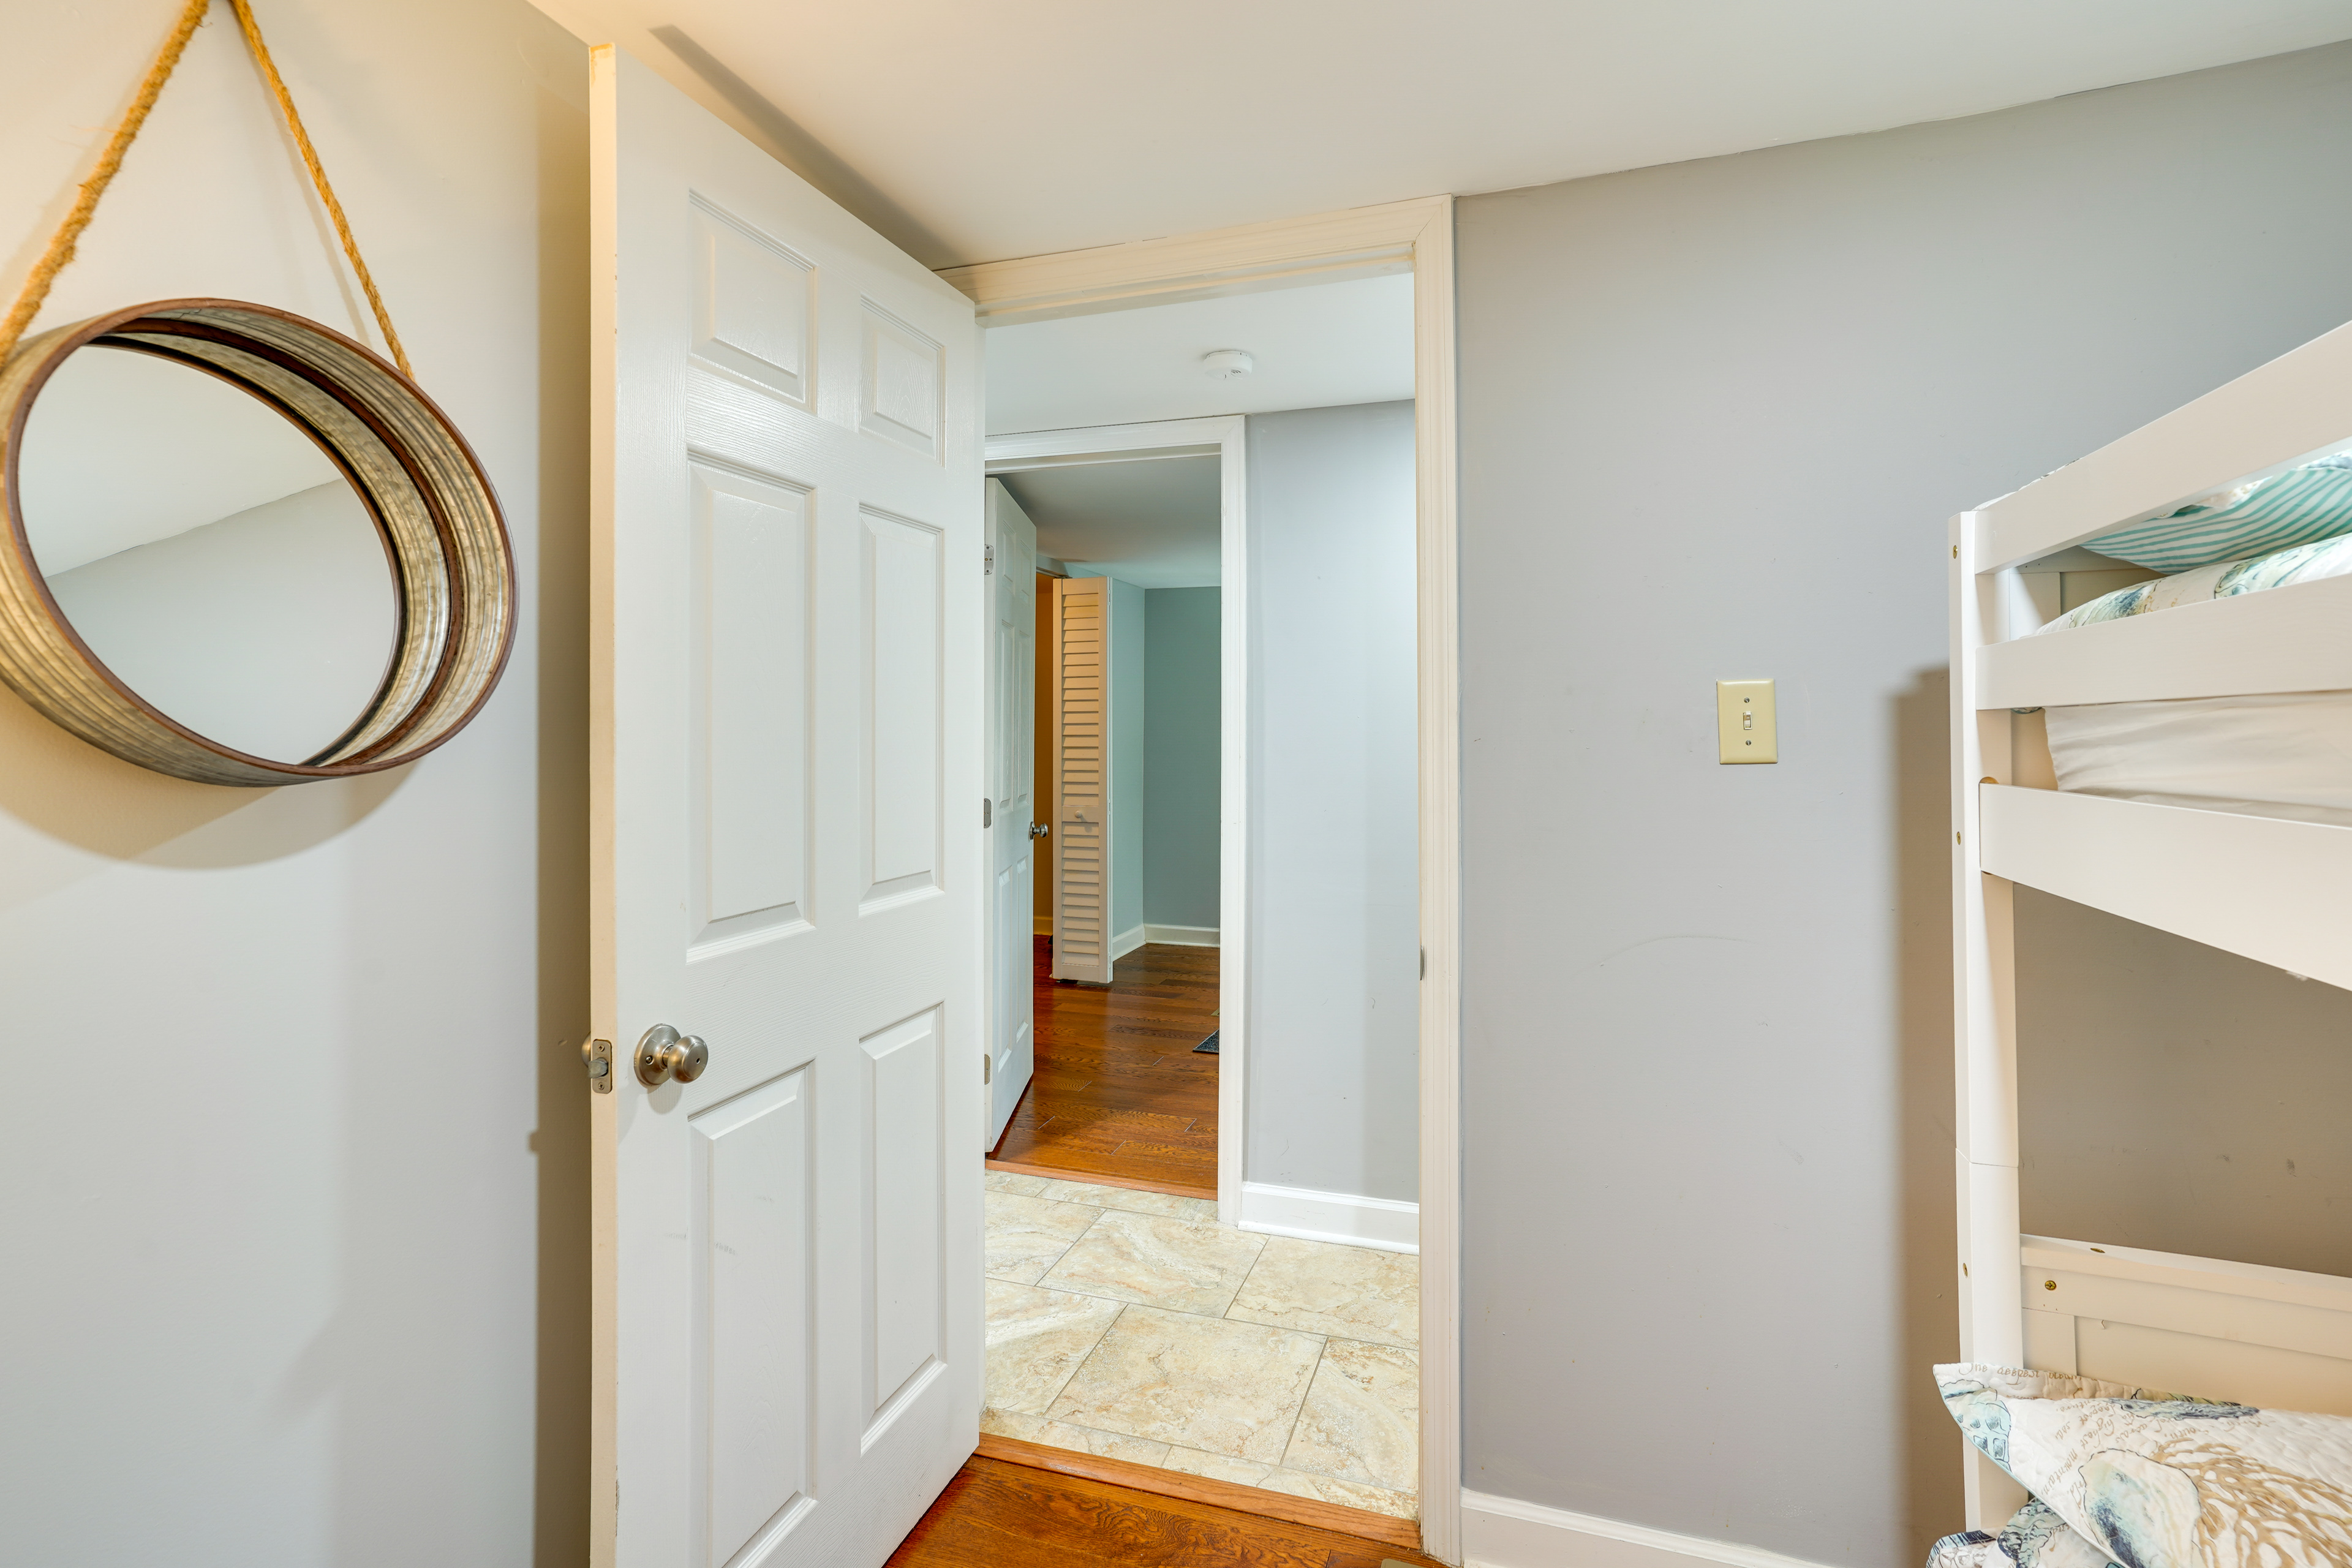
(1081, 836)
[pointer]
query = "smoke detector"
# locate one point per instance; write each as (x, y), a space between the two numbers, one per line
(1227, 364)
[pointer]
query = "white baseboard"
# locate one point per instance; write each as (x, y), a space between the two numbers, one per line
(1181, 936)
(1384, 1223)
(1041, 925)
(1125, 942)
(1503, 1533)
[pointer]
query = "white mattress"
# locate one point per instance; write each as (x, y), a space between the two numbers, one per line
(2279, 754)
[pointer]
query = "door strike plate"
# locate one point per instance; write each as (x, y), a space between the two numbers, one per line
(598, 1055)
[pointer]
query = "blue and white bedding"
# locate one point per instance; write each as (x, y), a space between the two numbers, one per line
(2221, 580)
(2296, 527)
(2282, 754)
(2302, 505)
(2136, 1479)
(2034, 1537)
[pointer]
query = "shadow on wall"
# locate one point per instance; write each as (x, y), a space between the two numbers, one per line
(328, 1233)
(1929, 1243)
(119, 811)
(2177, 1097)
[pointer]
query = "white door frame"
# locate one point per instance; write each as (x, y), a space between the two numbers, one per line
(1223, 438)
(1415, 237)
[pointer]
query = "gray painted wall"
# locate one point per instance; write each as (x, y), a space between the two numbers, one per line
(1128, 707)
(346, 1294)
(1180, 756)
(1335, 945)
(1714, 416)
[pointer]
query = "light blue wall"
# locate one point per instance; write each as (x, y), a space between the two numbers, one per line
(1713, 418)
(1129, 706)
(1179, 757)
(1334, 924)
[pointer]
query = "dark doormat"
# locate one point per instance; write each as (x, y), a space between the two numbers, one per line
(1209, 1046)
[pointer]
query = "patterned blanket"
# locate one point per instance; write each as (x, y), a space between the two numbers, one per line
(2139, 1478)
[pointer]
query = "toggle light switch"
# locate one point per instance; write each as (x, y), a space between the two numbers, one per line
(1744, 722)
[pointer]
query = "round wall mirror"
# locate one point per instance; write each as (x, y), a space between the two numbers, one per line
(242, 549)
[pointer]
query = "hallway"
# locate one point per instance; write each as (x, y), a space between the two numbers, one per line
(1120, 1092)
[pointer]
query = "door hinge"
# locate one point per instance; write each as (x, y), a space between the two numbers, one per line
(598, 1055)
(987, 1069)
(988, 561)
(987, 812)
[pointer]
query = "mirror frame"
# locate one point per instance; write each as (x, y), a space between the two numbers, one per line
(452, 565)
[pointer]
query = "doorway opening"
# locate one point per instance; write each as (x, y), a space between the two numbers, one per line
(1205, 1262)
(1126, 921)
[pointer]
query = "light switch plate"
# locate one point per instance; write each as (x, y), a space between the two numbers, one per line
(1744, 721)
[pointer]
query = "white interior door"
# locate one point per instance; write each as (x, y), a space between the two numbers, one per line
(1012, 803)
(1082, 762)
(786, 855)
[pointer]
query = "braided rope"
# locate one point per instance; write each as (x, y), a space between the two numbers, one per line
(61, 246)
(244, 19)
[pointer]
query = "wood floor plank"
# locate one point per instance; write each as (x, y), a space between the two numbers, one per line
(1174, 1071)
(1081, 1162)
(999, 1514)
(1313, 1511)
(1133, 1185)
(1117, 1089)
(1129, 1094)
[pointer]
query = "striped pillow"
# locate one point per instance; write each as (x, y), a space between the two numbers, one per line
(2301, 505)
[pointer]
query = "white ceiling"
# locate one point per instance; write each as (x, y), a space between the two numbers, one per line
(1315, 348)
(977, 132)
(1153, 523)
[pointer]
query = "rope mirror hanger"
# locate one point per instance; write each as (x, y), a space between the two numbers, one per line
(421, 489)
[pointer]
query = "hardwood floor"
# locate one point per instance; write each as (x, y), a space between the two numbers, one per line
(1119, 1091)
(997, 1514)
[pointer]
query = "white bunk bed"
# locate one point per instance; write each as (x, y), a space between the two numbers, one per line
(2268, 887)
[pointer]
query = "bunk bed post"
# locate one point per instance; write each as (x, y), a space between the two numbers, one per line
(1984, 1028)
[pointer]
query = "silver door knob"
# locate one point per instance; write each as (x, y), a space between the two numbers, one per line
(664, 1054)
(1039, 829)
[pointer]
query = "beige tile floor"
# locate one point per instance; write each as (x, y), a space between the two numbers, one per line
(1134, 1326)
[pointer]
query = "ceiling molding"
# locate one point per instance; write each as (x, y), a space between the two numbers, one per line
(1328, 247)
(1033, 460)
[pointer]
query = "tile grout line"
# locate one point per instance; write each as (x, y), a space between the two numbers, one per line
(1256, 1259)
(1280, 1466)
(1039, 1283)
(1063, 1386)
(1300, 1414)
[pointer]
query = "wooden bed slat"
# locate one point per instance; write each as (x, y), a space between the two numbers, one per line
(2274, 1337)
(2268, 889)
(2294, 408)
(2286, 639)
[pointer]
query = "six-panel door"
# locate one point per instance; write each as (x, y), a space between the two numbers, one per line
(788, 860)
